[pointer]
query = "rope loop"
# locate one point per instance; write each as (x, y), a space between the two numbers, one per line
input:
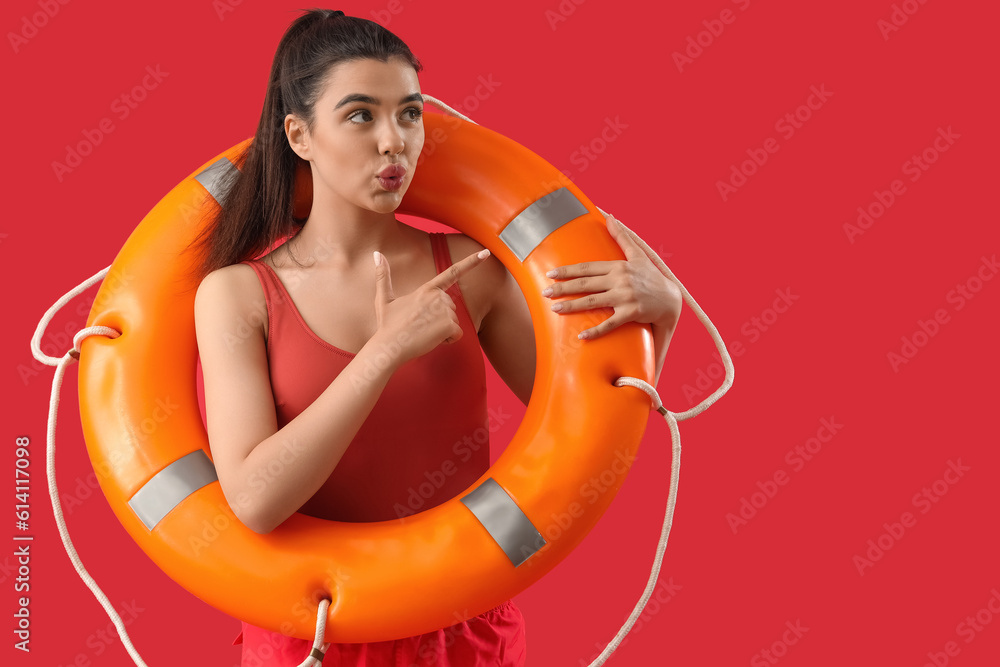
(91, 331)
(629, 381)
(36, 340)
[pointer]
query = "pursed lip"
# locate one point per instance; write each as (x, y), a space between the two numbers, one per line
(393, 171)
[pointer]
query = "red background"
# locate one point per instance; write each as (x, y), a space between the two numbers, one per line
(825, 358)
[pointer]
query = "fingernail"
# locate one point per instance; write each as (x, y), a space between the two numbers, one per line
(547, 291)
(582, 335)
(557, 307)
(378, 258)
(551, 274)
(483, 254)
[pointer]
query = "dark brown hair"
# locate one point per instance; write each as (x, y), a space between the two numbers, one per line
(257, 209)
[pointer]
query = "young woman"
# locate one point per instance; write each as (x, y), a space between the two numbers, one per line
(349, 357)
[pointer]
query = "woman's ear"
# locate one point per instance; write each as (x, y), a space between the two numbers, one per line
(298, 135)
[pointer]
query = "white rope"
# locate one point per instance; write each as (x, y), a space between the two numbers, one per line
(50, 446)
(50, 472)
(444, 107)
(668, 520)
(319, 649)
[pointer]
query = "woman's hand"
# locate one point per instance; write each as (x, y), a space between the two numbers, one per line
(415, 324)
(634, 287)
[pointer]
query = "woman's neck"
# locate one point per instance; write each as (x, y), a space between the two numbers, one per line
(343, 238)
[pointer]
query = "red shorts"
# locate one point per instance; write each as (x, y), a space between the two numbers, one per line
(494, 638)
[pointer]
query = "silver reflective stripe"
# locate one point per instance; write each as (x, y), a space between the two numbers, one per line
(504, 521)
(171, 485)
(544, 216)
(212, 175)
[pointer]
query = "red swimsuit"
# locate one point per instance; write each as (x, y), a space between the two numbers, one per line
(432, 411)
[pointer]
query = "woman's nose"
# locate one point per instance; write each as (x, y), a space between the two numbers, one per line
(391, 140)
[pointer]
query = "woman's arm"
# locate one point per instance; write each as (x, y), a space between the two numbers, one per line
(506, 333)
(242, 424)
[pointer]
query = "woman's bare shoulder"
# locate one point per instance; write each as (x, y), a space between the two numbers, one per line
(232, 292)
(235, 280)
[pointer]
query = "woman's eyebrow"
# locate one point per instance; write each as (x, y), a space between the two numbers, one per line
(368, 99)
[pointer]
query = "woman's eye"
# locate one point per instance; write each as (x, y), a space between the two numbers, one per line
(414, 112)
(354, 115)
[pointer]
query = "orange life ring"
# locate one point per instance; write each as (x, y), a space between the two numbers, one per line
(395, 578)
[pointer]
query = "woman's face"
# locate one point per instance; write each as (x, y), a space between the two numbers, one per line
(368, 116)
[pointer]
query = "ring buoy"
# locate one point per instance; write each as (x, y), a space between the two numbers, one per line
(395, 578)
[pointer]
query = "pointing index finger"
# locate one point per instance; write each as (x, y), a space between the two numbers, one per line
(450, 276)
